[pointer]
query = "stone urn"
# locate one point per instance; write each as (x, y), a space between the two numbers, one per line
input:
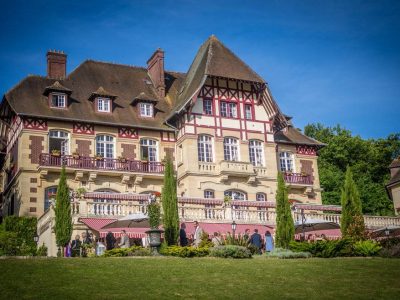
(154, 239)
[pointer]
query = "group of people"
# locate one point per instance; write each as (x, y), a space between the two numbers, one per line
(77, 246)
(265, 244)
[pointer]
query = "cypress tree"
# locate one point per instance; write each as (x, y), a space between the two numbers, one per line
(352, 220)
(63, 228)
(170, 205)
(284, 220)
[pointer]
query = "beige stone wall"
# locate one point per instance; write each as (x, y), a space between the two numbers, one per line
(396, 198)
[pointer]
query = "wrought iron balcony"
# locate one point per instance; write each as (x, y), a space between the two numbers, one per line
(298, 179)
(106, 164)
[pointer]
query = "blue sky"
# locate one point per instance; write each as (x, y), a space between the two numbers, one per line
(334, 62)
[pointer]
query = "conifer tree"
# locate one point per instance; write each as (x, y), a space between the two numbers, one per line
(63, 227)
(284, 220)
(170, 205)
(352, 220)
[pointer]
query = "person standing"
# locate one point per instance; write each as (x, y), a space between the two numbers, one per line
(269, 242)
(76, 246)
(110, 241)
(183, 241)
(256, 240)
(124, 240)
(198, 232)
(246, 235)
(216, 240)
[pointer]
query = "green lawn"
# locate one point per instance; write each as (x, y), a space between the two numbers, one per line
(200, 278)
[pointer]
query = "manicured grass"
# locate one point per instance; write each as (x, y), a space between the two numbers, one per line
(199, 278)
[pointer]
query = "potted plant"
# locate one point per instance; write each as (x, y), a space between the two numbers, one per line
(75, 155)
(227, 200)
(80, 192)
(56, 152)
(154, 212)
(122, 159)
(98, 157)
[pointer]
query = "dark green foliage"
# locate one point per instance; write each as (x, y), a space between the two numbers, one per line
(287, 254)
(352, 220)
(154, 212)
(284, 219)
(63, 227)
(366, 248)
(230, 251)
(170, 205)
(369, 160)
(17, 236)
(132, 251)
(205, 241)
(390, 247)
(42, 250)
(184, 251)
(239, 240)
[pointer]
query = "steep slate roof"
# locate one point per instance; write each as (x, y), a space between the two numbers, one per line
(292, 136)
(56, 87)
(125, 82)
(213, 59)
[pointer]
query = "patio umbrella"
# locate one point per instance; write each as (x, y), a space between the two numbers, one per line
(313, 225)
(139, 220)
(389, 231)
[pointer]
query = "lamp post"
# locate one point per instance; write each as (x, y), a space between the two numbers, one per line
(36, 238)
(303, 221)
(387, 232)
(233, 230)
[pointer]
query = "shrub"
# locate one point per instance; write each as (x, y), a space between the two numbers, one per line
(184, 251)
(42, 250)
(9, 243)
(343, 247)
(392, 251)
(366, 248)
(287, 254)
(132, 251)
(230, 251)
(205, 242)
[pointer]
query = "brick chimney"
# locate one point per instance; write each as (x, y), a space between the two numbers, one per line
(155, 68)
(56, 64)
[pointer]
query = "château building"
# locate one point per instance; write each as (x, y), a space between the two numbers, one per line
(113, 125)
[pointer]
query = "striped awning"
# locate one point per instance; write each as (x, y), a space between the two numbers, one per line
(116, 196)
(318, 207)
(134, 233)
(96, 223)
(191, 200)
(252, 203)
(224, 228)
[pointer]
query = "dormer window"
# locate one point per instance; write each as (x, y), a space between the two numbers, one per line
(146, 109)
(103, 105)
(58, 100)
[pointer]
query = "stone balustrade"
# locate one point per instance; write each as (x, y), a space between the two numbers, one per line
(236, 167)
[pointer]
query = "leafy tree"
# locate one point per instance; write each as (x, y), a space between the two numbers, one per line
(170, 205)
(63, 228)
(284, 221)
(352, 221)
(368, 159)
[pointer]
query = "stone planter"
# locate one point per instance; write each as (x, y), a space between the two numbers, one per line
(154, 239)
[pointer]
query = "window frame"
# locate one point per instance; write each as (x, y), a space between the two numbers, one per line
(263, 195)
(253, 153)
(205, 148)
(207, 112)
(209, 194)
(149, 146)
(229, 149)
(105, 143)
(47, 199)
(250, 106)
(229, 193)
(64, 96)
(66, 138)
(143, 112)
(284, 158)
(228, 111)
(102, 101)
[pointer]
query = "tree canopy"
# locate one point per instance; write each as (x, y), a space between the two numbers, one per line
(369, 160)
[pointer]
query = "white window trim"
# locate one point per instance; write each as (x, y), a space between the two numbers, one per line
(103, 101)
(157, 147)
(212, 148)
(293, 161)
(238, 148)
(58, 94)
(68, 137)
(262, 152)
(113, 142)
(151, 109)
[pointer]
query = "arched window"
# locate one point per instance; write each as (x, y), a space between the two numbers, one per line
(235, 195)
(105, 146)
(49, 196)
(256, 153)
(231, 149)
(148, 149)
(59, 141)
(209, 194)
(204, 147)
(286, 161)
(261, 197)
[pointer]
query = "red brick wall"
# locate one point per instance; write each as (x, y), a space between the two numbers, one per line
(129, 151)
(37, 148)
(83, 147)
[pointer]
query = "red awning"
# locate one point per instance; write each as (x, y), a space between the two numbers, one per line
(319, 207)
(116, 196)
(224, 228)
(96, 223)
(135, 233)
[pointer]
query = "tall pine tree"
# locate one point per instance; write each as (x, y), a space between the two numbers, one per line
(352, 221)
(284, 220)
(170, 205)
(63, 228)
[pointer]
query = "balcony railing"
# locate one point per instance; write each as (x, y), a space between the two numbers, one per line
(298, 178)
(108, 164)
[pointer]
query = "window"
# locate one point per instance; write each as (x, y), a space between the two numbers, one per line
(260, 197)
(209, 194)
(103, 104)
(49, 196)
(148, 149)
(58, 100)
(146, 109)
(204, 146)
(235, 195)
(286, 161)
(256, 153)
(59, 141)
(105, 146)
(248, 112)
(228, 109)
(231, 151)
(207, 107)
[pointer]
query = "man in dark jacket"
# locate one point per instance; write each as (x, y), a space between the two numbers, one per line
(183, 241)
(110, 241)
(76, 246)
(256, 240)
